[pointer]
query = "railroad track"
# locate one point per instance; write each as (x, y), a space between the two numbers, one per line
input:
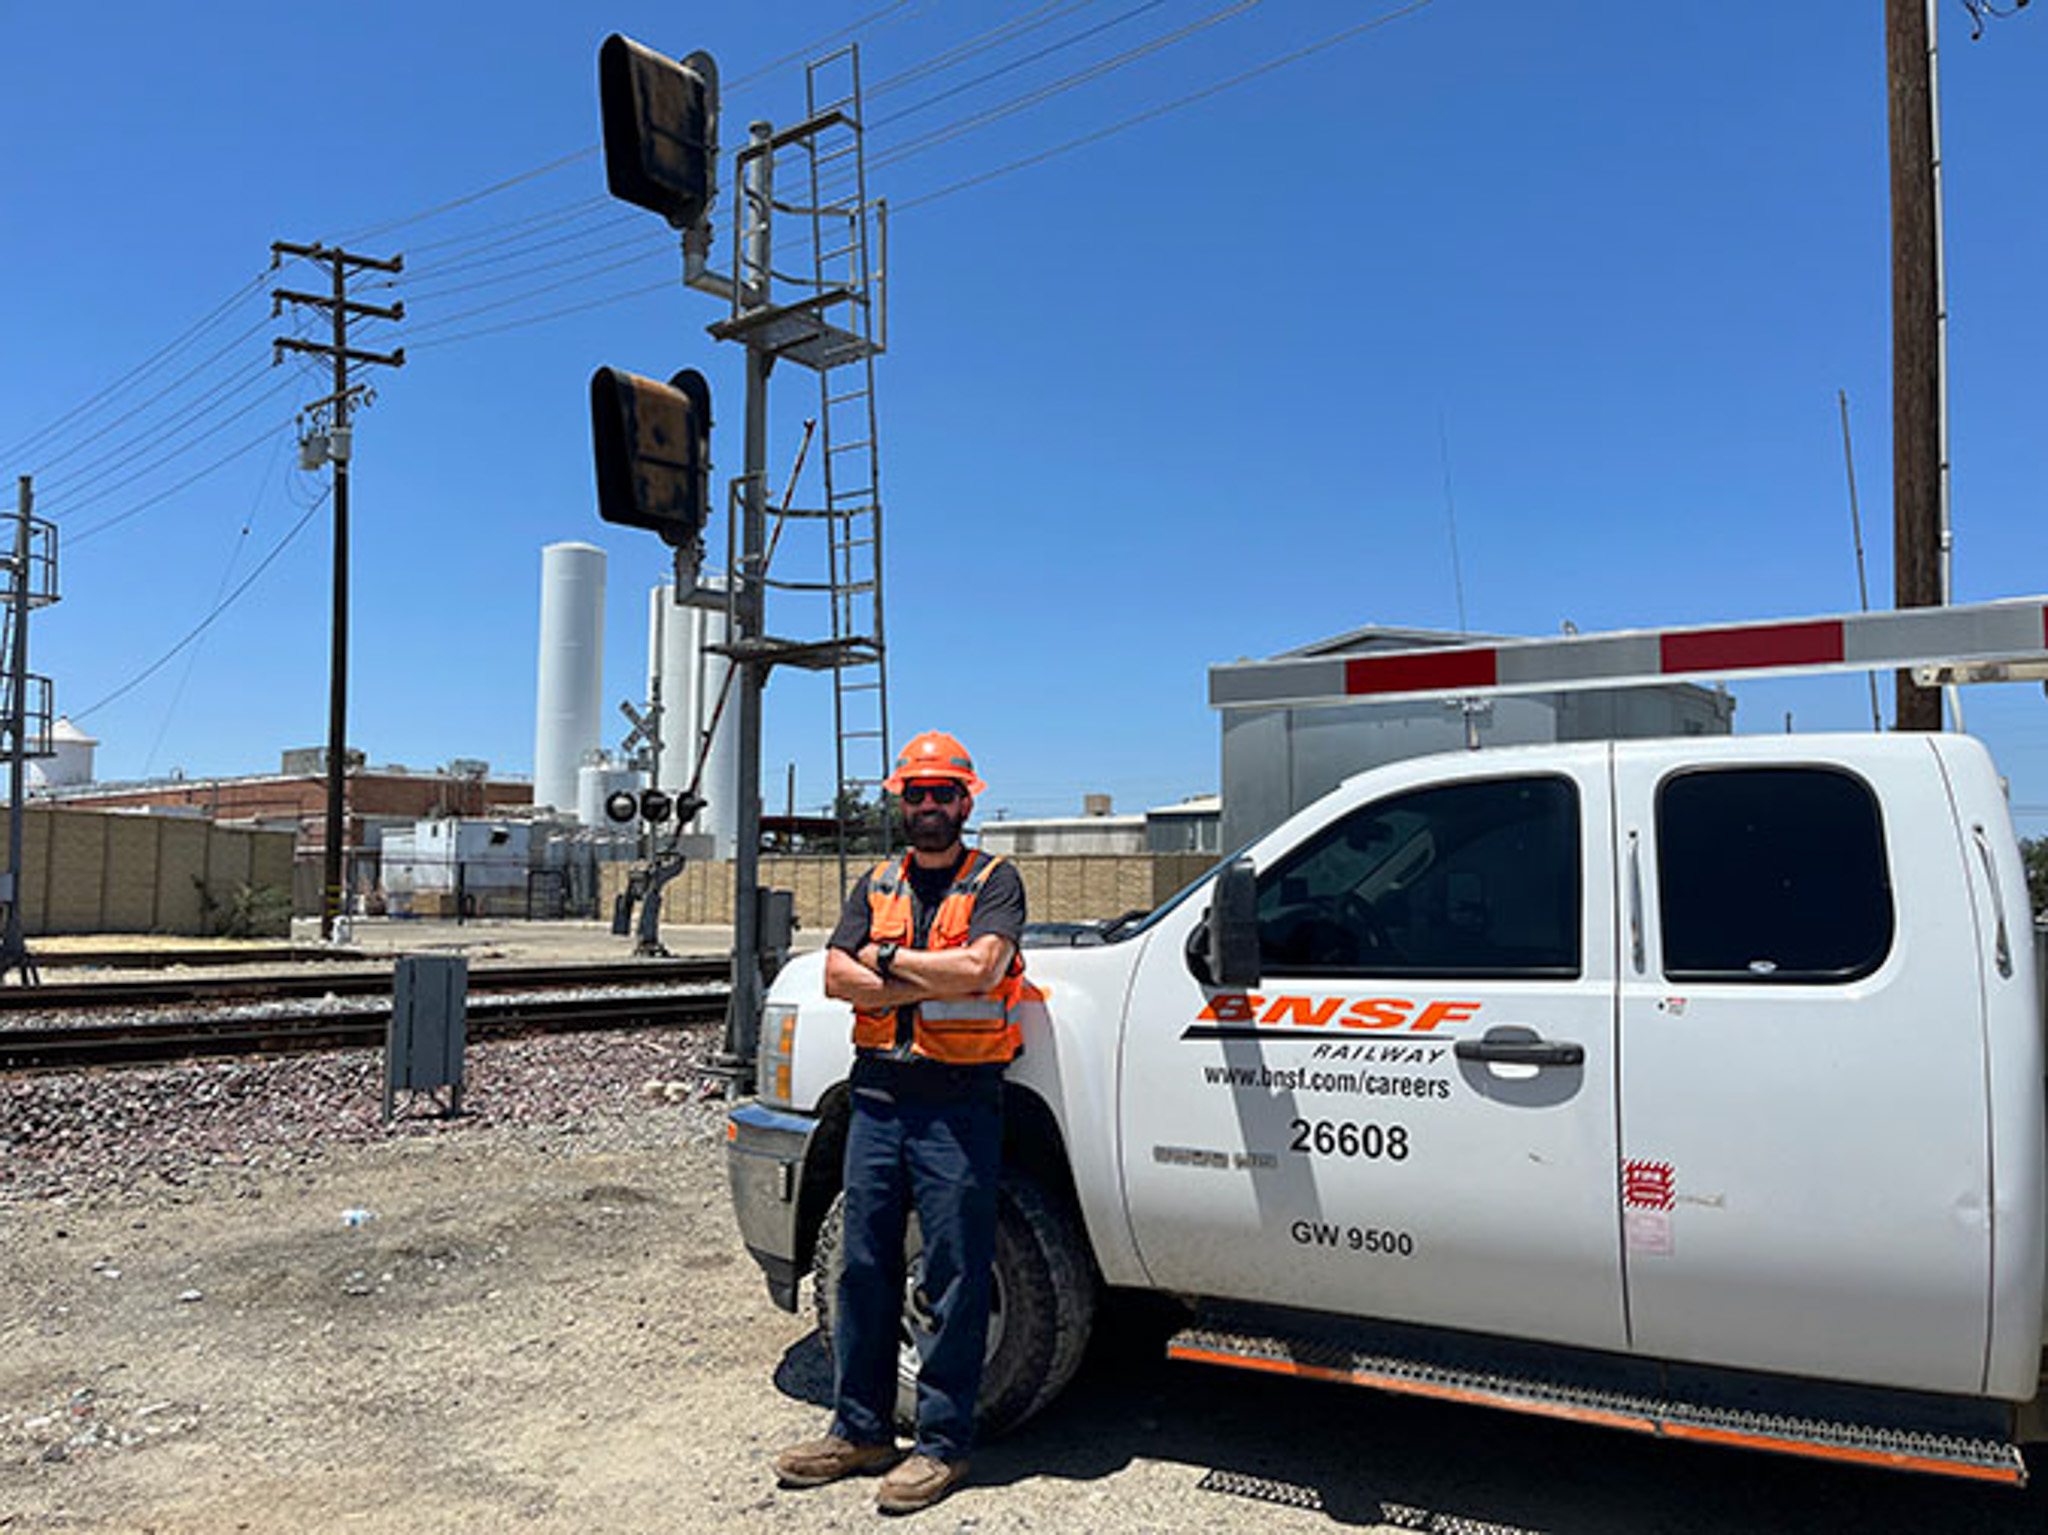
(205, 989)
(159, 1041)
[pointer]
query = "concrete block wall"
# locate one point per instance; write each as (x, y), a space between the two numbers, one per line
(88, 871)
(1060, 887)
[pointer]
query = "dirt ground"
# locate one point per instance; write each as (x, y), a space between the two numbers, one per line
(557, 1329)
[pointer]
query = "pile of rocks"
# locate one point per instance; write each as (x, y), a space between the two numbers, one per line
(93, 1131)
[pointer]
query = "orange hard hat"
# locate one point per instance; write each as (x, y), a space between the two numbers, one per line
(933, 755)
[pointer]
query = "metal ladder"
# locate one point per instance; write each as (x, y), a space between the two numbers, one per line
(842, 217)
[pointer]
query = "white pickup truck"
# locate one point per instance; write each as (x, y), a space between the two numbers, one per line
(1689, 1086)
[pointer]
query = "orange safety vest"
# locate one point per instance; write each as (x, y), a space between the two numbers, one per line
(961, 1031)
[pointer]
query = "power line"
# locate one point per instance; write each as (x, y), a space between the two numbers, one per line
(666, 285)
(207, 622)
(220, 588)
(1242, 77)
(519, 298)
(522, 244)
(191, 479)
(811, 49)
(1016, 64)
(103, 491)
(560, 213)
(374, 231)
(640, 236)
(947, 133)
(530, 234)
(981, 42)
(973, 121)
(588, 151)
(155, 359)
(193, 410)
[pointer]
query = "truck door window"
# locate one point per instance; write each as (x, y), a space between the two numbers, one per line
(1469, 879)
(1772, 874)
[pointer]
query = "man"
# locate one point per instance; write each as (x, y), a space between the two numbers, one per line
(926, 953)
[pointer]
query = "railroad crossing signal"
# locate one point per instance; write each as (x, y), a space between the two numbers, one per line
(652, 443)
(654, 806)
(660, 129)
(644, 726)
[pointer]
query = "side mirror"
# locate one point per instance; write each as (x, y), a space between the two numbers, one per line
(1232, 927)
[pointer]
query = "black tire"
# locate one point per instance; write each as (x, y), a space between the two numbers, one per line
(1041, 1306)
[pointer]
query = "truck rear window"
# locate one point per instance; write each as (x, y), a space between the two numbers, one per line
(1772, 874)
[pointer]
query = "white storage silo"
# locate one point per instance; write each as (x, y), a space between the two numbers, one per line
(568, 713)
(70, 759)
(690, 681)
(598, 781)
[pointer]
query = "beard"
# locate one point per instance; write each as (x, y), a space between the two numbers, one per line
(931, 830)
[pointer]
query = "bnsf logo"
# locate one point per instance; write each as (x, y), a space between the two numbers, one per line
(1315, 1012)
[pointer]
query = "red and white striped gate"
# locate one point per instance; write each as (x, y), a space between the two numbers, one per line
(1970, 642)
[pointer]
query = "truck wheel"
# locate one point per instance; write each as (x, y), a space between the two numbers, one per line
(1041, 1306)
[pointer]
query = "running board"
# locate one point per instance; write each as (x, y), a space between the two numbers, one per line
(1865, 1426)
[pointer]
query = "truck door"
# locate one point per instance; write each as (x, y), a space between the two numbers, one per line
(1803, 1122)
(1412, 1116)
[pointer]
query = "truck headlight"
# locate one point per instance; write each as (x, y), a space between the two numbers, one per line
(775, 1066)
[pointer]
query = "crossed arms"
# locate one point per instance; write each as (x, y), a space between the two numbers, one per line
(917, 975)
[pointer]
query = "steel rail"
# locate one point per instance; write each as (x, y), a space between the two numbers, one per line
(163, 1041)
(160, 991)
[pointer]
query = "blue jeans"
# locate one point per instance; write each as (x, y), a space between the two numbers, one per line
(928, 1137)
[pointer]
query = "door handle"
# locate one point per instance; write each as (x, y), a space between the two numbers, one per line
(1521, 1048)
(2003, 948)
(1635, 900)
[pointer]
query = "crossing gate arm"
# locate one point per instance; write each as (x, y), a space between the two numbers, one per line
(1968, 642)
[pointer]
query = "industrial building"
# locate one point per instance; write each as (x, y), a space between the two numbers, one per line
(294, 799)
(1190, 826)
(1278, 758)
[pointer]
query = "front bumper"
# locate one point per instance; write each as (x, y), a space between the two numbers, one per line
(765, 1151)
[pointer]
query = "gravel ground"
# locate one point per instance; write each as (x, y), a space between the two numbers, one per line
(542, 1318)
(65, 1133)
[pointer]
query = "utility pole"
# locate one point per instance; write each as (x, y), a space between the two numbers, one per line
(1919, 524)
(338, 446)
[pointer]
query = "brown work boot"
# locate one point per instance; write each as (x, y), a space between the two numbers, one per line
(818, 1461)
(918, 1482)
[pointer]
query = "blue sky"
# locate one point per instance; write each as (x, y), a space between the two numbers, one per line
(1183, 395)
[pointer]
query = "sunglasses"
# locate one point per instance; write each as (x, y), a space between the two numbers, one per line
(936, 793)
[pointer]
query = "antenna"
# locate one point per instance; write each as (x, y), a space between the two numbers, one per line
(1471, 708)
(1856, 527)
(1443, 437)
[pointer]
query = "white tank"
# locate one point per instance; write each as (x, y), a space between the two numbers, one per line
(568, 713)
(595, 782)
(70, 759)
(690, 680)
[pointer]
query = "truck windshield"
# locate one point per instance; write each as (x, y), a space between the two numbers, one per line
(1158, 912)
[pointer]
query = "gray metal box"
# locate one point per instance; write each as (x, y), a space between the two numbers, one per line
(424, 1043)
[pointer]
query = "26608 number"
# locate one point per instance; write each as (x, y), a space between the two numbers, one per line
(1342, 1138)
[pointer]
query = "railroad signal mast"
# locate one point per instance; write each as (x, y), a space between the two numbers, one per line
(652, 440)
(26, 710)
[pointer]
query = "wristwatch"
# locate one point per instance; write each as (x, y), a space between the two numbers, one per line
(885, 960)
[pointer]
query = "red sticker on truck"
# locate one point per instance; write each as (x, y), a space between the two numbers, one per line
(1647, 1185)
